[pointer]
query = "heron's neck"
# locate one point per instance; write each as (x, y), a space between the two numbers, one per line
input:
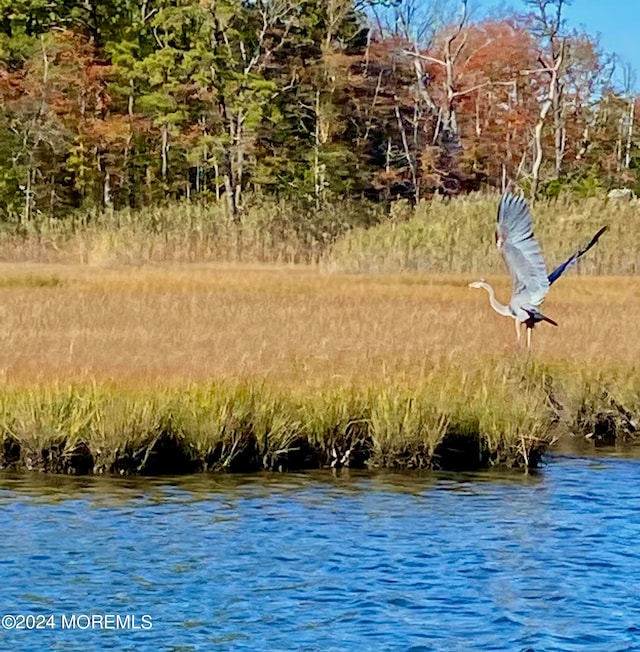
(495, 304)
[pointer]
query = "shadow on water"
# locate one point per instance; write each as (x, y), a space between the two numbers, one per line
(109, 489)
(52, 488)
(575, 446)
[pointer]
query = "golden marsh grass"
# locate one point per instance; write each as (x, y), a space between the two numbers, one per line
(250, 366)
(139, 349)
(300, 327)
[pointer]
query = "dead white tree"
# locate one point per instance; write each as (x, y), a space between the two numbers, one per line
(547, 26)
(416, 23)
(628, 86)
(549, 101)
(453, 45)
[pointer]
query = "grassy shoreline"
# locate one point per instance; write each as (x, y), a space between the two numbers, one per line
(181, 368)
(249, 427)
(502, 414)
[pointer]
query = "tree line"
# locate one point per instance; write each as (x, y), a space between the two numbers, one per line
(129, 102)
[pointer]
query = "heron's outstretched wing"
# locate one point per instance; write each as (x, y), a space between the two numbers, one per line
(560, 269)
(521, 251)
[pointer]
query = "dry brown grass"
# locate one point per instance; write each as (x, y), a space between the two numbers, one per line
(223, 366)
(296, 326)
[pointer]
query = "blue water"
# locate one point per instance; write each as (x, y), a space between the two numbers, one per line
(317, 562)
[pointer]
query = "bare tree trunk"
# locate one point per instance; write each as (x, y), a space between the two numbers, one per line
(544, 110)
(547, 25)
(216, 170)
(229, 181)
(559, 126)
(450, 58)
(584, 146)
(106, 191)
(231, 197)
(537, 139)
(130, 101)
(407, 153)
(165, 152)
(27, 196)
(316, 152)
(238, 172)
(523, 160)
(369, 123)
(627, 154)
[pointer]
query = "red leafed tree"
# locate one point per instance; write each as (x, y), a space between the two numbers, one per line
(479, 81)
(50, 104)
(489, 84)
(496, 102)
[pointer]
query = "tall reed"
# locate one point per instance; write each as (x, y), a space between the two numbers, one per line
(268, 231)
(439, 236)
(457, 236)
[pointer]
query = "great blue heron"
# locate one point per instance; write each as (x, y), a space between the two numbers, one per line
(522, 255)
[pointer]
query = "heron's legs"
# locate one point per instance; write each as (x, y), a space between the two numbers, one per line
(529, 338)
(517, 329)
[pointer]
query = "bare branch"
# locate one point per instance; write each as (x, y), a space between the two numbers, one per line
(424, 57)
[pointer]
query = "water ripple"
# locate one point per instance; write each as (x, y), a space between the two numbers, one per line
(314, 562)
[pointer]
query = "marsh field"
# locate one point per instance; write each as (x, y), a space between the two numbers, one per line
(132, 364)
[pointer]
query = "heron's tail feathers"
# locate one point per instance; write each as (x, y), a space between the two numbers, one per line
(560, 269)
(548, 319)
(536, 316)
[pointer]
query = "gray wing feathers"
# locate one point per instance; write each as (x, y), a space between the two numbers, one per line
(514, 219)
(521, 252)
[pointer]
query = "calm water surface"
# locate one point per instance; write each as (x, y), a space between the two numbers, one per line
(316, 562)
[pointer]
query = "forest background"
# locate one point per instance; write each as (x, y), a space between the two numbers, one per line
(322, 113)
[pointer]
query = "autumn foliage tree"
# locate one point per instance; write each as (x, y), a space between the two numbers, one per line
(132, 102)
